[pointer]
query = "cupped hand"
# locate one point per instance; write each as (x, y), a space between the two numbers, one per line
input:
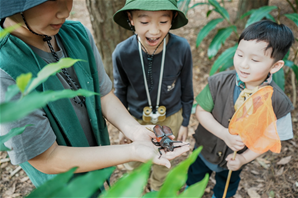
(143, 151)
(234, 142)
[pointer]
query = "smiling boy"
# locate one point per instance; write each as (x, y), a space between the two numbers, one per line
(153, 69)
(261, 48)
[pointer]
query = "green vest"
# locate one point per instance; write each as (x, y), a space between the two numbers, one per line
(17, 57)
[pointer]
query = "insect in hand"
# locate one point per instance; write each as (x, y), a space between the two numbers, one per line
(162, 139)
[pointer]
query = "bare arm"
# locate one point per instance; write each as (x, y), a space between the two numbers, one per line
(241, 159)
(59, 159)
(207, 120)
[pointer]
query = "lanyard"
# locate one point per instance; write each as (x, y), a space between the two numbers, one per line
(161, 73)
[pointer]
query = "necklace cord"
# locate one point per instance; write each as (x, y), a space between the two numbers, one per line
(69, 79)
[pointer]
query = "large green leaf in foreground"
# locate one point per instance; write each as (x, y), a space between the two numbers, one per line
(10, 111)
(49, 70)
(132, 184)
(178, 176)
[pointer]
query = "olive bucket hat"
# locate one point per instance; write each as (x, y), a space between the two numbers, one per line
(11, 7)
(120, 16)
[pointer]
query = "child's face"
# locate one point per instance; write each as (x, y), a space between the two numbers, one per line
(47, 18)
(151, 26)
(253, 63)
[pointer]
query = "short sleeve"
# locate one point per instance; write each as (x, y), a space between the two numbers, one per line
(284, 127)
(35, 139)
(104, 80)
(204, 99)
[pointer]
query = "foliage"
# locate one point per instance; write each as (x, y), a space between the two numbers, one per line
(130, 185)
(12, 110)
(225, 60)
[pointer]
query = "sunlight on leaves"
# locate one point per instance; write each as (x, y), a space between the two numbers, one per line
(7, 30)
(10, 111)
(50, 69)
(23, 80)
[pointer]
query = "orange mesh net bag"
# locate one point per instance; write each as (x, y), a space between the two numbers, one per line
(255, 122)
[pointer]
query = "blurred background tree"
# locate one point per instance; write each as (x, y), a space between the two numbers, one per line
(107, 33)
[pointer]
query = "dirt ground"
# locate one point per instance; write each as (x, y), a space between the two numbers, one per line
(271, 175)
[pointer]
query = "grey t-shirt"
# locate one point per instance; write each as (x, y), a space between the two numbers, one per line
(38, 138)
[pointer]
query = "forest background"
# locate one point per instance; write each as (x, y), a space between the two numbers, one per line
(271, 175)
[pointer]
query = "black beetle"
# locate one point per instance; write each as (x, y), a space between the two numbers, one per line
(162, 139)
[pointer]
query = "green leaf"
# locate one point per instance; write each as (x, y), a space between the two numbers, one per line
(279, 79)
(10, 111)
(228, 64)
(176, 178)
(208, 13)
(286, 56)
(23, 80)
(152, 194)
(270, 17)
(206, 29)
(225, 57)
(221, 10)
(131, 185)
(183, 5)
(197, 5)
(86, 185)
(50, 69)
(13, 132)
(12, 90)
(197, 189)
(7, 30)
(293, 17)
(247, 13)
(259, 14)
(294, 67)
(219, 39)
(49, 188)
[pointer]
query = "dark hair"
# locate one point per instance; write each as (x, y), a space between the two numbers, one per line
(279, 37)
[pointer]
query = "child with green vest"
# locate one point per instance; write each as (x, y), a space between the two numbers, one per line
(260, 52)
(68, 132)
(153, 69)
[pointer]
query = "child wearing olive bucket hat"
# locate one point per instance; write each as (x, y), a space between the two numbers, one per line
(68, 132)
(153, 70)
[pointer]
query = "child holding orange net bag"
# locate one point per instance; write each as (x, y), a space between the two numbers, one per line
(243, 110)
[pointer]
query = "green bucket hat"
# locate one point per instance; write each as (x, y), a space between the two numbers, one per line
(120, 17)
(11, 7)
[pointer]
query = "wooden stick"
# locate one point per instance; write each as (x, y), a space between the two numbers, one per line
(228, 179)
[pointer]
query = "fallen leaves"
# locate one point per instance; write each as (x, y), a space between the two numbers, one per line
(284, 160)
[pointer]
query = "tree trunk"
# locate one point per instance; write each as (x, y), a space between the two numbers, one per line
(107, 33)
(246, 5)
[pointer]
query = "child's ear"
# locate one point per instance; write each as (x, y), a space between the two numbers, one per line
(277, 66)
(130, 17)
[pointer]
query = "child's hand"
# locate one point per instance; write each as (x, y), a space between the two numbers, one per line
(233, 141)
(235, 164)
(139, 132)
(144, 150)
(182, 134)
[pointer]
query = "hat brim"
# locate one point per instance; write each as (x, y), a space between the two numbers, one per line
(11, 7)
(120, 17)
